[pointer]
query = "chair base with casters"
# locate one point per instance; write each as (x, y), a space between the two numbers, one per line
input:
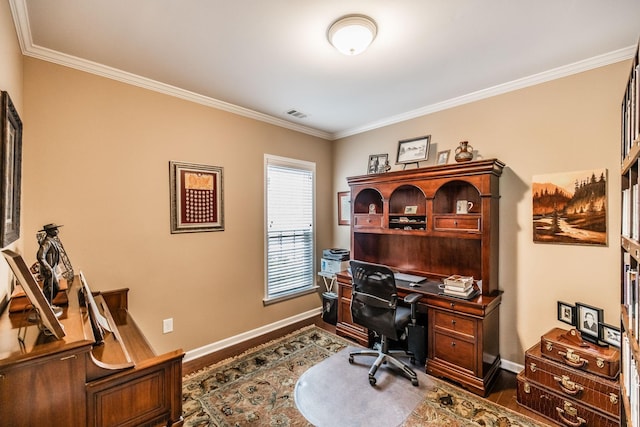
(374, 305)
(385, 355)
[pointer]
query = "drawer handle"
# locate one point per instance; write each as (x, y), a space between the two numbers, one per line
(73, 356)
(567, 386)
(572, 412)
(573, 359)
(453, 322)
(453, 343)
(613, 398)
(452, 304)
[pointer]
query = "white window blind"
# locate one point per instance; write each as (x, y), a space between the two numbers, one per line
(289, 227)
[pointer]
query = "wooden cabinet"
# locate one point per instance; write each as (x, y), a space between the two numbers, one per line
(630, 246)
(75, 382)
(409, 221)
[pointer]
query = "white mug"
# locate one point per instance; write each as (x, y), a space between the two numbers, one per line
(463, 206)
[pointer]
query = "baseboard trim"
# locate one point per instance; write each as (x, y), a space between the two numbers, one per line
(511, 366)
(254, 333)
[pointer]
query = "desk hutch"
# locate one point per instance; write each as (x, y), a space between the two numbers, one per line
(408, 220)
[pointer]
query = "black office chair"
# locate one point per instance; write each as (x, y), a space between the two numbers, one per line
(374, 305)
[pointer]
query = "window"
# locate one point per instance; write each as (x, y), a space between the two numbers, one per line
(289, 217)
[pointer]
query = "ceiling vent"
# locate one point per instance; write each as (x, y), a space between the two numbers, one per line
(297, 114)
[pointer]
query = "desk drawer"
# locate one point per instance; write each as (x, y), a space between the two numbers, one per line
(367, 220)
(458, 222)
(456, 351)
(454, 323)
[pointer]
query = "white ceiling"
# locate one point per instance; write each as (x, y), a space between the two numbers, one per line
(261, 58)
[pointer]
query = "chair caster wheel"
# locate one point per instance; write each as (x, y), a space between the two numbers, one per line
(351, 359)
(414, 383)
(372, 380)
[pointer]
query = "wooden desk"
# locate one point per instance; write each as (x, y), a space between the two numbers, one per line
(462, 336)
(73, 382)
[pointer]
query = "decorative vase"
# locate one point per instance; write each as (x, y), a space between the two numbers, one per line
(464, 152)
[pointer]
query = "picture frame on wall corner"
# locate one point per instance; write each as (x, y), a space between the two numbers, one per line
(196, 197)
(344, 208)
(11, 137)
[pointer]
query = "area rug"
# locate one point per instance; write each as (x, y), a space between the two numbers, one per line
(257, 388)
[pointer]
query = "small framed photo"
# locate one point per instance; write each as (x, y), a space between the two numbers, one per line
(377, 163)
(587, 320)
(413, 150)
(344, 208)
(610, 334)
(196, 198)
(409, 210)
(567, 313)
(443, 157)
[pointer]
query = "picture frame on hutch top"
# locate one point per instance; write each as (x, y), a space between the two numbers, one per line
(11, 134)
(196, 197)
(413, 150)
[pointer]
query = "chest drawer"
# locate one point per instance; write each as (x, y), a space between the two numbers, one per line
(467, 223)
(456, 351)
(367, 220)
(454, 323)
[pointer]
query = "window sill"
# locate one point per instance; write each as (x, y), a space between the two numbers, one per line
(295, 294)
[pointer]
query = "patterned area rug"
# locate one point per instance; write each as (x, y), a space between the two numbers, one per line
(257, 388)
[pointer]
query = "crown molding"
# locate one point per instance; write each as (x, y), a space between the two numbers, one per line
(21, 21)
(545, 76)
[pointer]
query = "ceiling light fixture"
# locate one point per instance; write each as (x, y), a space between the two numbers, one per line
(352, 34)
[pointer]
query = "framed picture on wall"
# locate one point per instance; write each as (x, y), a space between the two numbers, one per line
(11, 134)
(196, 198)
(344, 208)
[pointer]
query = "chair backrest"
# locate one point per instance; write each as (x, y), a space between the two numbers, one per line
(374, 298)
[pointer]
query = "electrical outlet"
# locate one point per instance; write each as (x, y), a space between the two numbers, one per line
(167, 326)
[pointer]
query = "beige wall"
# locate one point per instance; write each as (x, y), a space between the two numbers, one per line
(568, 124)
(96, 161)
(11, 82)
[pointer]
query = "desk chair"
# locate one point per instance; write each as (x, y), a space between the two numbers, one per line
(374, 305)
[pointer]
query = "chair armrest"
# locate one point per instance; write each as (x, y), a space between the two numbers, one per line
(412, 298)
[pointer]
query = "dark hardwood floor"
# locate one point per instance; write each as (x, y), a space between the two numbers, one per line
(502, 393)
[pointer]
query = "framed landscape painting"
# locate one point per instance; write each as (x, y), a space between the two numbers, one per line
(570, 207)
